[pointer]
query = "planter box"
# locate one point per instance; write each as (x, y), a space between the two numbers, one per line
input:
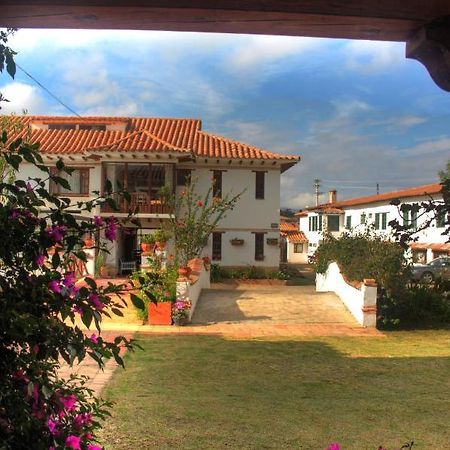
(160, 313)
(237, 241)
(272, 241)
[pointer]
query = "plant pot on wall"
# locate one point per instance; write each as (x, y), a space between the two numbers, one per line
(272, 241)
(161, 245)
(160, 313)
(146, 248)
(237, 241)
(184, 272)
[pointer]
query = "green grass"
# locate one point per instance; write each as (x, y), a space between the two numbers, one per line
(198, 392)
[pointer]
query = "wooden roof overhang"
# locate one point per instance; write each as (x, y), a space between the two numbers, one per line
(423, 25)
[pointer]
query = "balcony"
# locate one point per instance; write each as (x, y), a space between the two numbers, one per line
(143, 181)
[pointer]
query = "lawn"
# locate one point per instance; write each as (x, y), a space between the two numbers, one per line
(203, 392)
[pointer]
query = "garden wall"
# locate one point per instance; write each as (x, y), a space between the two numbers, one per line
(361, 301)
(191, 288)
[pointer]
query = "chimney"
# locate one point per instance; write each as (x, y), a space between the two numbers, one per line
(332, 195)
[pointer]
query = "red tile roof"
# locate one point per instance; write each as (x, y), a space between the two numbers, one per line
(439, 247)
(297, 238)
(286, 227)
(141, 135)
(417, 191)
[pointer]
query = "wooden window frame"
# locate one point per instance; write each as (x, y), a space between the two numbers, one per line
(217, 183)
(54, 188)
(216, 240)
(259, 246)
(260, 180)
(296, 246)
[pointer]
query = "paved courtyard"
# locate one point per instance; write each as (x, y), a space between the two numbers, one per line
(270, 305)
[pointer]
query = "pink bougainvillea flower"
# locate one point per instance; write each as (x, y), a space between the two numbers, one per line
(69, 279)
(199, 203)
(111, 229)
(93, 447)
(68, 401)
(78, 310)
(88, 436)
(334, 446)
(95, 300)
(54, 287)
(52, 427)
(98, 221)
(56, 232)
(73, 442)
(14, 213)
(29, 187)
(94, 338)
(35, 349)
(39, 260)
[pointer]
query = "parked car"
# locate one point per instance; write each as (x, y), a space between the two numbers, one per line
(427, 273)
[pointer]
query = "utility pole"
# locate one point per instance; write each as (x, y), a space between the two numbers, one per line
(378, 188)
(317, 192)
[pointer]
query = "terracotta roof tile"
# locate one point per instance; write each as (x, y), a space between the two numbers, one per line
(424, 190)
(286, 227)
(297, 238)
(437, 247)
(143, 134)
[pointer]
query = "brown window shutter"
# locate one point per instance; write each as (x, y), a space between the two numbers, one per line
(259, 188)
(84, 181)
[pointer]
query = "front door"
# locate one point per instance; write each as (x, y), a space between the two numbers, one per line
(129, 244)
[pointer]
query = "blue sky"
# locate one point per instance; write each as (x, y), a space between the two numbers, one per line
(357, 112)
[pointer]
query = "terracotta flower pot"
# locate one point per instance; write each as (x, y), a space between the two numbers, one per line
(160, 313)
(89, 242)
(184, 272)
(146, 248)
(160, 245)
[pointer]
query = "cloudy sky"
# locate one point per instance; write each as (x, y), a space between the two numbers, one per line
(357, 112)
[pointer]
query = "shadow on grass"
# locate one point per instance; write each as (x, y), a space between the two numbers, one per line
(197, 392)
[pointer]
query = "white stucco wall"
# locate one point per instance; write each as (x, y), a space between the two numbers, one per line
(297, 258)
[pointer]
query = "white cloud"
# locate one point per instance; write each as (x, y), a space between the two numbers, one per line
(349, 107)
(410, 121)
(22, 97)
(437, 145)
(255, 51)
(369, 57)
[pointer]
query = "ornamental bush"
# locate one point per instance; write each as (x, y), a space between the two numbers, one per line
(41, 304)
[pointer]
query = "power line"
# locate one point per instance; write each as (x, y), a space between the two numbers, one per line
(48, 91)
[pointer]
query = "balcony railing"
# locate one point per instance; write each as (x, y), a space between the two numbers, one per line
(140, 203)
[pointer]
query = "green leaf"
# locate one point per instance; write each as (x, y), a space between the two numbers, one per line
(87, 317)
(117, 312)
(46, 391)
(91, 282)
(137, 301)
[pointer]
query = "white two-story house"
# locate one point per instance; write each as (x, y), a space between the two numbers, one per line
(145, 154)
(376, 211)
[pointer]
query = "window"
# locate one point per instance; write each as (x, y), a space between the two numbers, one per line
(410, 213)
(315, 223)
(217, 246)
(298, 248)
(217, 183)
(440, 219)
(62, 126)
(383, 221)
(259, 187)
(333, 223)
(183, 177)
(362, 219)
(74, 126)
(348, 222)
(380, 221)
(92, 127)
(78, 181)
(259, 246)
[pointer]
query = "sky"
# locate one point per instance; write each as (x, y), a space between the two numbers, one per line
(357, 112)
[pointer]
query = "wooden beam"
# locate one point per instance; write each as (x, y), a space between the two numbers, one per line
(430, 45)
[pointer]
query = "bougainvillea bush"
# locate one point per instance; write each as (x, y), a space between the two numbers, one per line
(40, 303)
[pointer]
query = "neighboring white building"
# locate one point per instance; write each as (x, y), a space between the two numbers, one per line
(145, 154)
(294, 244)
(376, 211)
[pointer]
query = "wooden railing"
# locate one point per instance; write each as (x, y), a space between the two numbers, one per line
(140, 203)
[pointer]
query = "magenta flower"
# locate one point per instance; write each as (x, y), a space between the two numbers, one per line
(56, 232)
(73, 442)
(52, 427)
(98, 221)
(39, 260)
(29, 187)
(95, 300)
(93, 447)
(69, 279)
(54, 287)
(111, 229)
(14, 213)
(78, 310)
(334, 446)
(68, 402)
(94, 338)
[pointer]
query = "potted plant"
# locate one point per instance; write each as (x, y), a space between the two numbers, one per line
(272, 241)
(180, 312)
(161, 237)
(147, 243)
(237, 241)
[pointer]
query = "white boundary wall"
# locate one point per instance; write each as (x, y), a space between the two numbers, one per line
(362, 303)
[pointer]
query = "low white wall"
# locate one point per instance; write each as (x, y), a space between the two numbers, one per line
(190, 289)
(362, 303)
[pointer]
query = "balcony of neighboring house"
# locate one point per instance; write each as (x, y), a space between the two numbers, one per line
(143, 181)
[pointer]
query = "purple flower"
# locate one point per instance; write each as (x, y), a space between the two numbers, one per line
(334, 446)
(54, 287)
(52, 427)
(29, 187)
(73, 442)
(98, 221)
(93, 447)
(69, 279)
(78, 310)
(95, 300)
(94, 338)
(56, 232)
(68, 402)
(111, 229)
(14, 213)
(39, 260)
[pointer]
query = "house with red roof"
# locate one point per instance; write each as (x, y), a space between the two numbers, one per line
(377, 211)
(144, 154)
